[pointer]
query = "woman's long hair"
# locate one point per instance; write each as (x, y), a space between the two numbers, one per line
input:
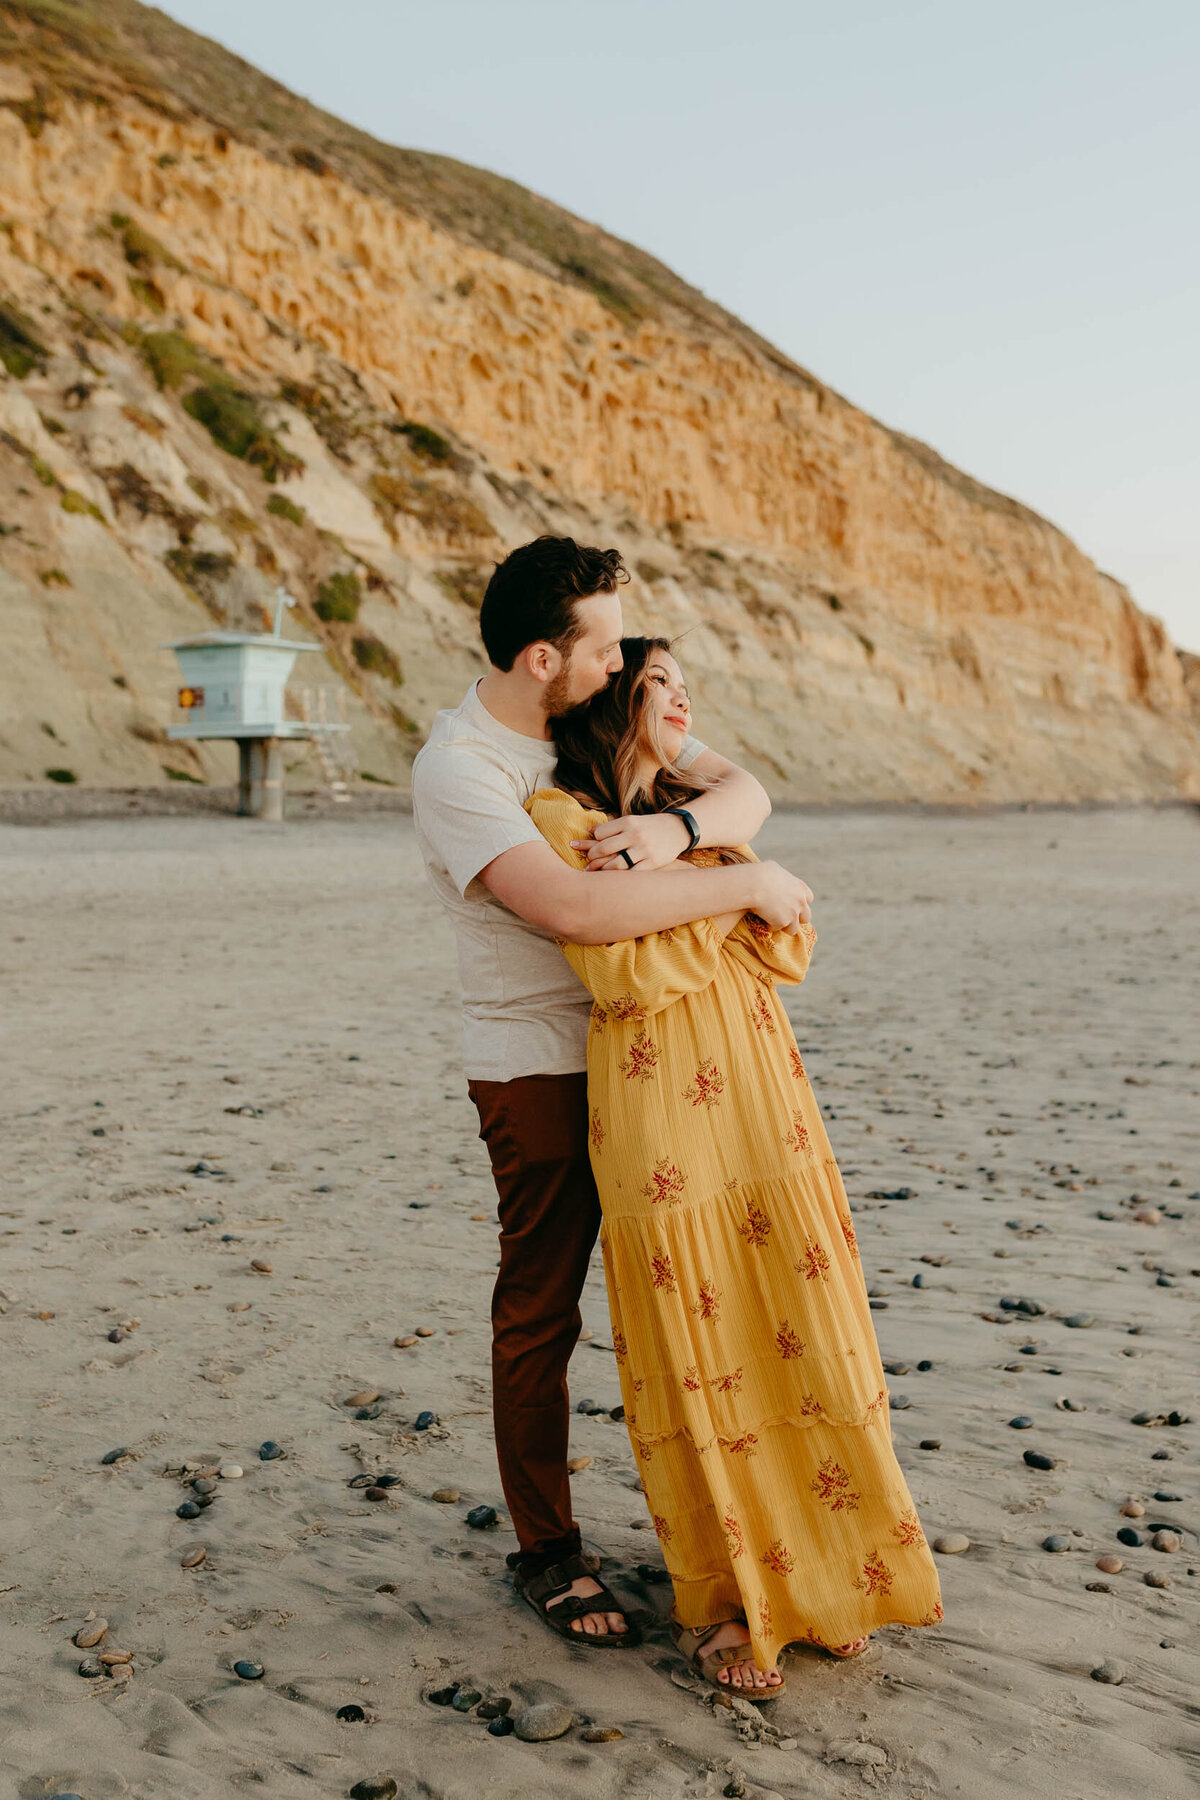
(604, 744)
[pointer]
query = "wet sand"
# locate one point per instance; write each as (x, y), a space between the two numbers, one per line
(1001, 1018)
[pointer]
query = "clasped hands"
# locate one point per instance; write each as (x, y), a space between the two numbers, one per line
(653, 841)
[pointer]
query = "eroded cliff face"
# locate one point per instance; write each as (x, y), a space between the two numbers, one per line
(862, 621)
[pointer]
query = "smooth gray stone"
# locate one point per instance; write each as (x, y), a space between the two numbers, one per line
(1057, 1542)
(1109, 1671)
(538, 1724)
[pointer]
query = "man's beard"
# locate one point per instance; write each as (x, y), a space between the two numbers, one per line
(558, 699)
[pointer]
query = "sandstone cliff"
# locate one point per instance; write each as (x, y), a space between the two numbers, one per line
(243, 343)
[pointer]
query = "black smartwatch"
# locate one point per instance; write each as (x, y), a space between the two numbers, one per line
(681, 812)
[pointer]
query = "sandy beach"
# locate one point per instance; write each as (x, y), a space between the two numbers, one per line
(236, 1136)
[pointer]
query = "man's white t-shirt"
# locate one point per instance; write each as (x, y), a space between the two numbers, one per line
(525, 1011)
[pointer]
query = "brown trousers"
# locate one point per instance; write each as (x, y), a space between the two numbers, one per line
(536, 1132)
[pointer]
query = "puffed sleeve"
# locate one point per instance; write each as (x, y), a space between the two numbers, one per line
(779, 955)
(641, 975)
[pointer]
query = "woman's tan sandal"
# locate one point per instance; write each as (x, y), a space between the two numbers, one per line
(541, 1590)
(691, 1645)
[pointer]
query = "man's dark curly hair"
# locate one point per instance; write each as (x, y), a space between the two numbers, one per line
(531, 596)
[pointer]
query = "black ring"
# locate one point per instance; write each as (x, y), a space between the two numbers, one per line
(628, 859)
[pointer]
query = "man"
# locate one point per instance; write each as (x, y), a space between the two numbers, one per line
(551, 625)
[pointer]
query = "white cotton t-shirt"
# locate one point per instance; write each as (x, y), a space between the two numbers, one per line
(525, 1011)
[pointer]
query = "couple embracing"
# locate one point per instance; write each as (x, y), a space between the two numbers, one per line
(636, 1076)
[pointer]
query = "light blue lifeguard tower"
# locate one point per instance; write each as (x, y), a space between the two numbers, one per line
(235, 686)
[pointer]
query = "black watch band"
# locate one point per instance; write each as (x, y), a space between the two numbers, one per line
(681, 812)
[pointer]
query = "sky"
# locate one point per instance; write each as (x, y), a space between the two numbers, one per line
(978, 223)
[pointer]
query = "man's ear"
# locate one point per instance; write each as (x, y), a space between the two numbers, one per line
(542, 660)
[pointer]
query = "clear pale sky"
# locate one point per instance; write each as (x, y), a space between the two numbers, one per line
(979, 223)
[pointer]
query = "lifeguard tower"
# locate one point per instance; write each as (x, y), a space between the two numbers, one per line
(235, 686)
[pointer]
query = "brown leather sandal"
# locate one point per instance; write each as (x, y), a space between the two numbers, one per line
(691, 1645)
(540, 1591)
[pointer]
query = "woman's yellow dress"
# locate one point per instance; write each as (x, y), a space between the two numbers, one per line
(753, 1388)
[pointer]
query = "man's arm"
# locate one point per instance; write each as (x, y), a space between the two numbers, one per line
(731, 813)
(535, 883)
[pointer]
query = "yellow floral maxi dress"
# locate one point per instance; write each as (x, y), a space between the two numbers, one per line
(753, 1388)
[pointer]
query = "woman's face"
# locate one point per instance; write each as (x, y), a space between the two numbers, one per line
(667, 701)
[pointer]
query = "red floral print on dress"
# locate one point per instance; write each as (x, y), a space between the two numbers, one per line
(832, 1486)
(787, 1343)
(908, 1530)
(797, 1137)
(934, 1616)
(708, 1086)
(759, 930)
(599, 1018)
(620, 1346)
(879, 1400)
(728, 1383)
(666, 1183)
(708, 1302)
(876, 1577)
(665, 1531)
(743, 1446)
(761, 1014)
(642, 1060)
(813, 1263)
(596, 1130)
(625, 1008)
(765, 1616)
(810, 1406)
(691, 1380)
(733, 1534)
(778, 1558)
(662, 1270)
(797, 1064)
(756, 1226)
(851, 1239)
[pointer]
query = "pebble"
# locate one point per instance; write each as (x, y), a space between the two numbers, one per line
(1065, 1404)
(1109, 1671)
(249, 1671)
(538, 1724)
(191, 1509)
(362, 1481)
(424, 1420)
(442, 1696)
(1097, 1587)
(480, 1517)
(896, 1368)
(1109, 1565)
(918, 1280)
(1166, 1496)
(465, 1699)
(1166, 1540)
(350, 1715)
(262, 1268)
(924, 1365)
(952, 1543)
(1153, 1579)
(1148, 1215)
(238, 1306)
(374, 1787)
(110, 1658)
(404, 1343)
(193, 1556)
(121, 1672)
(90, 1667)
(1037, 1459)
(426, 1330)
(1079, 1321)
(446, 1496)
(899, 1402)
(230, 1471)
(1133, 1509)
(112, 1456)
(204, 1484)
(270, 1451)
(1127, 1535)
(501, 1727)
(931, 1443)
(1022, 1422)
(362, 1397)
(602, 1734)
(1056, 1542)
(1018, 1303)
(495, 1709)
(117, 1335)
(577, 1463)
(376, 1493)
(89, 1635)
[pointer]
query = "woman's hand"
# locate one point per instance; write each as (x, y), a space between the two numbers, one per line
(653, 840)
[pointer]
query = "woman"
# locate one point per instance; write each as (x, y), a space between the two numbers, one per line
(753, 1389)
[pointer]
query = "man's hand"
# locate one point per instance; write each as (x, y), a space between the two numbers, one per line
(784, 901)
(653, 840)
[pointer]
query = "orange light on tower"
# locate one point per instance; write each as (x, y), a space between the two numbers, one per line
(191, 696)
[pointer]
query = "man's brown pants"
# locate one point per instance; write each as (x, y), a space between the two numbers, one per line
(536, 1132)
